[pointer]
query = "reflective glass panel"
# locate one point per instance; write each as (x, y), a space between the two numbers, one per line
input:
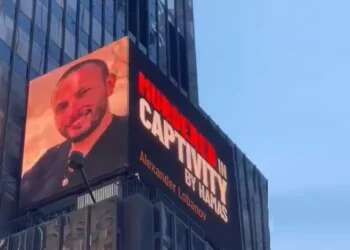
(41, 15)
(4, 244)
(162, 41)
(152, 31)
(46, 236)
(56, 30)
(197, 243)
(69, 44)
(22, 44)
(27, 7)
(121, 9)
(181, 236)
(17, 241)
(103, 225)
(74, 231)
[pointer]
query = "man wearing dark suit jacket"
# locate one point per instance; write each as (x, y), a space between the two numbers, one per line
(82, 115)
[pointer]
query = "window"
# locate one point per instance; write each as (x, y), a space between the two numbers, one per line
(121, 10)
(180, 17)
(152, 30)
(173, 51)
(54, 51)
(51, 63)
(19, 65)
(171, 11)
(192, 72)
(61, 3)
(75, 230)
(22, 44)
(96, 31)
(94, 46)
(27, 7)
(182, 241)
(97, 9)
(16, 110)
(66, 59)
(6, 27)
(39, 36)
(69, 45)
(70, 28)
(96, 22)
(4, 243)
(172, 36)
(33, 74)
(162, 44)
(82, 50)
(102, 224)
(109, 16)
(132, 17)
(41, 15)
(5, 52)
(158, 245)
(84, 18)
(169, 224)
(156, 219)
(72, 4)
(71, 18)
(83, 38)
(38, 58)
(197, 243)
(18, 241)
(56, 30)
(4, 86)
(183, 64)
(143, 22)
(108, 37)
(46, 236)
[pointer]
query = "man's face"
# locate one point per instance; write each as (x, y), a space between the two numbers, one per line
(80, 102)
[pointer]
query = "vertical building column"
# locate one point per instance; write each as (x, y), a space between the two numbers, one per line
(22, 13)
(191, 52)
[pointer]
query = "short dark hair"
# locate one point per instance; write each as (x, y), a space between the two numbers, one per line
(101, 64)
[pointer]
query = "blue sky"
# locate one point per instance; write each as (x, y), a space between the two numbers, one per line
(275, 75)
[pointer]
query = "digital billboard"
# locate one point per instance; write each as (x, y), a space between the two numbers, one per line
(80, 107)
(176, 148)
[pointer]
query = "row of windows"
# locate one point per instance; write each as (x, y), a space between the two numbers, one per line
(172, 233)
(71, 231)
(159, 27)
(253, 198)
(57, 34)
(98, 224)
(173, 228)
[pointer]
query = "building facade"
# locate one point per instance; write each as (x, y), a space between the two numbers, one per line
(37, 36)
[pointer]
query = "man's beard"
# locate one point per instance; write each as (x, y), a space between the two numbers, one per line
(100, 112)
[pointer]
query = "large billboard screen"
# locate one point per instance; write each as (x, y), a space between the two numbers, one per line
(176, 148)
(80, 107)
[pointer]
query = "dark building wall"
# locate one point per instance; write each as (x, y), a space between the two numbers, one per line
(252, 189)
(253, 196)
(37, 36)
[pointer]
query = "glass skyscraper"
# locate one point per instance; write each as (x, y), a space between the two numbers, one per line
(37, 36)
